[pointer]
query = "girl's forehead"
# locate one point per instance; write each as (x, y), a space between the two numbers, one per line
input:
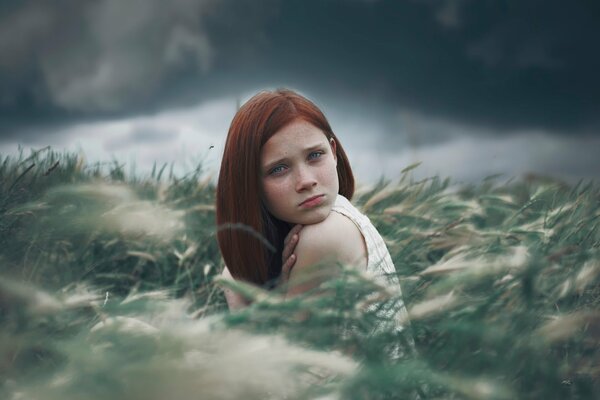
(287, 144)
(297, 131)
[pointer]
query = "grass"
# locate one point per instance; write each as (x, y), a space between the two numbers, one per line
(108, 290)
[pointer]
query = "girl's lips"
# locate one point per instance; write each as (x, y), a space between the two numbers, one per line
(313, 201)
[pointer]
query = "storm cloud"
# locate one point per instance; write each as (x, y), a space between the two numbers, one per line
(70, 60)
(507, 64)
(408, 80)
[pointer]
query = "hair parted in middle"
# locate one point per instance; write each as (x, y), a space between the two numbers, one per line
(244, 224)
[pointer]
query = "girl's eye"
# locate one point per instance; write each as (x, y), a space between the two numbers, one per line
(315, 154)
(277, 170)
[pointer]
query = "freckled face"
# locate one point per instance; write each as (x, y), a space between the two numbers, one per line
(298, 174)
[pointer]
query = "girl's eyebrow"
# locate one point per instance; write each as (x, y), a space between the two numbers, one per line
(271, 164)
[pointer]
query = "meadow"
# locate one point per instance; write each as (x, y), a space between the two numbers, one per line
(109, 289)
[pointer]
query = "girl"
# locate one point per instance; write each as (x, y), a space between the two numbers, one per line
(283, 170)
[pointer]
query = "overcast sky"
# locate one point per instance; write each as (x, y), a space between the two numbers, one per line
(470, 88)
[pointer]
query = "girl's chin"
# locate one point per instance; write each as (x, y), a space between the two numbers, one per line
(313, 218)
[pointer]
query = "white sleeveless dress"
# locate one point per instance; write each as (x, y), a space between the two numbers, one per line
(380, 265)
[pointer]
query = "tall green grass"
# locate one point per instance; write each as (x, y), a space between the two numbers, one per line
(108, 290)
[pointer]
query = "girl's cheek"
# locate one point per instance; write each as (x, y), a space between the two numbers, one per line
(331, 172)
(276, 193)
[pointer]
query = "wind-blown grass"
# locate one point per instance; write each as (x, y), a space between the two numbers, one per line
(108, 290)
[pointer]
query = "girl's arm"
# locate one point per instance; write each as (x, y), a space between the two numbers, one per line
(236, 301)
(334, 240)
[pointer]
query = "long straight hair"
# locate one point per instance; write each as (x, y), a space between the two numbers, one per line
(250, 237)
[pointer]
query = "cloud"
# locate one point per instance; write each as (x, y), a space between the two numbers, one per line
(470, 158)
(107, 56)
(501, 66)
(181, 137)
(523, 65)
(448, 13)
(127, 50)
(142, 135)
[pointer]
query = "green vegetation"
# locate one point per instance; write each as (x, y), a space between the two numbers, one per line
(108, 290)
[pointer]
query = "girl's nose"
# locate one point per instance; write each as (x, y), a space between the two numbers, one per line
(305, 180)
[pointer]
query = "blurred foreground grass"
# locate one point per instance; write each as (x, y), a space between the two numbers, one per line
(107, 292)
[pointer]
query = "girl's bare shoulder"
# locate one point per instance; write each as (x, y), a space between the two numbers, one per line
(336, 238)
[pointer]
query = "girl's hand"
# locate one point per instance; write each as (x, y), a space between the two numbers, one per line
(288, 258)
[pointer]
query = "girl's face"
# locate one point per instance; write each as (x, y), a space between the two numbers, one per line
(298, 174)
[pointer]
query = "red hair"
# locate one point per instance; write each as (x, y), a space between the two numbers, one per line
(251, 238)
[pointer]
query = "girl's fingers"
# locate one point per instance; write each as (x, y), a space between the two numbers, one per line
(294, 231)
(287, 267)
(297, 228)
(288, 258)
(288, 249)
(290, 242)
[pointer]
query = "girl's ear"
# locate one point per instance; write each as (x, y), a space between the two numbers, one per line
(333, 149)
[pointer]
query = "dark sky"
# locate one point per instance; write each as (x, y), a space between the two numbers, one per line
(447, 70)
